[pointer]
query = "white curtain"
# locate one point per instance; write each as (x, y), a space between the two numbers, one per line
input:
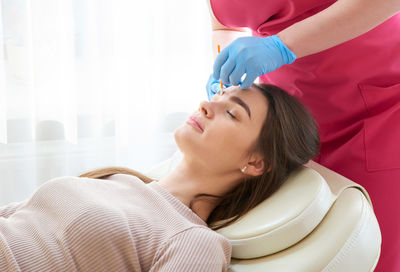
(93, 83)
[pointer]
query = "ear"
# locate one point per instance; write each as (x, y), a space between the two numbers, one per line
(256, 166)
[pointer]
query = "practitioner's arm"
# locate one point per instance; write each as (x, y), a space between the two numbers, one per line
(340, 22)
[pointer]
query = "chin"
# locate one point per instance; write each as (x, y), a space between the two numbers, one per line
(187, 142)
(182, 139)
(194, 148)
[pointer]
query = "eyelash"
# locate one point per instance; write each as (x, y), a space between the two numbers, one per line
(233, 116)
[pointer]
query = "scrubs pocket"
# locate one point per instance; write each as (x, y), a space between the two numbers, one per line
(382, 126)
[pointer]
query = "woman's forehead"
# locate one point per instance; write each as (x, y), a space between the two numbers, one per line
(247, 93)
(237, 89)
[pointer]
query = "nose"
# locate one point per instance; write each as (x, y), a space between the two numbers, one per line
(206, 109)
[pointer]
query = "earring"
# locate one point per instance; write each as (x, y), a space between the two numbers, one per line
(244, 168)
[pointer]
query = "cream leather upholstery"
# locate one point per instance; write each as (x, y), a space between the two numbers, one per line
(317, 221)
(283, 219)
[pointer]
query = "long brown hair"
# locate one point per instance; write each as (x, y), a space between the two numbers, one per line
(288, 139)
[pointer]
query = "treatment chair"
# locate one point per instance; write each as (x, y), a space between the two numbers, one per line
(317, 221)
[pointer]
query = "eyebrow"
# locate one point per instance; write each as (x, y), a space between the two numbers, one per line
(241, 103)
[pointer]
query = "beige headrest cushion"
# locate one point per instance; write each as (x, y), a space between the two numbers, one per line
(283, 219)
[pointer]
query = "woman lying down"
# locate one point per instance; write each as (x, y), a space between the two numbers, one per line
(239, 149)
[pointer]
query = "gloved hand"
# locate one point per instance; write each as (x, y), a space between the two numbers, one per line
(214, 86)
(254, 56)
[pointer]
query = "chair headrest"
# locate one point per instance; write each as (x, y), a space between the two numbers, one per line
(283, 219)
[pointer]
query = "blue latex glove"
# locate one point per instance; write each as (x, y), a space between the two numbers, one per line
(254, 56)
(214, 86)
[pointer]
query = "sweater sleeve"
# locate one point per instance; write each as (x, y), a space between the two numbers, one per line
(195, 249)
(7, 210)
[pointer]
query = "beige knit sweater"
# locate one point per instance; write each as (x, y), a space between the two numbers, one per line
(113, 224)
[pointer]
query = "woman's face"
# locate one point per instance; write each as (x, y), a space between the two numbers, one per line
(230, 124)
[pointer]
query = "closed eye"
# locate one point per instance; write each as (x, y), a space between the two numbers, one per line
(238, 101)
(233, 116)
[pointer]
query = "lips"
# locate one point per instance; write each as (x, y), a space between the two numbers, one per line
(194, 120)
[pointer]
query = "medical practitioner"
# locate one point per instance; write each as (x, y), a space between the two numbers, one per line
(342, 60)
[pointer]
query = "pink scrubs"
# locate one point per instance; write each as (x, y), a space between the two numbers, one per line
(353, 91)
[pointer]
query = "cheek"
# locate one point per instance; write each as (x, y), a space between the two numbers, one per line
(227, 144)
(237, 144)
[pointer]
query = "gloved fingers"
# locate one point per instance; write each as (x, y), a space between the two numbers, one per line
(216, 87)
(250, 77)
(211, 80)
(219, 61)
(213, 89)
(236, 75)
(226, 70)
(210, 95)
(211, 86)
